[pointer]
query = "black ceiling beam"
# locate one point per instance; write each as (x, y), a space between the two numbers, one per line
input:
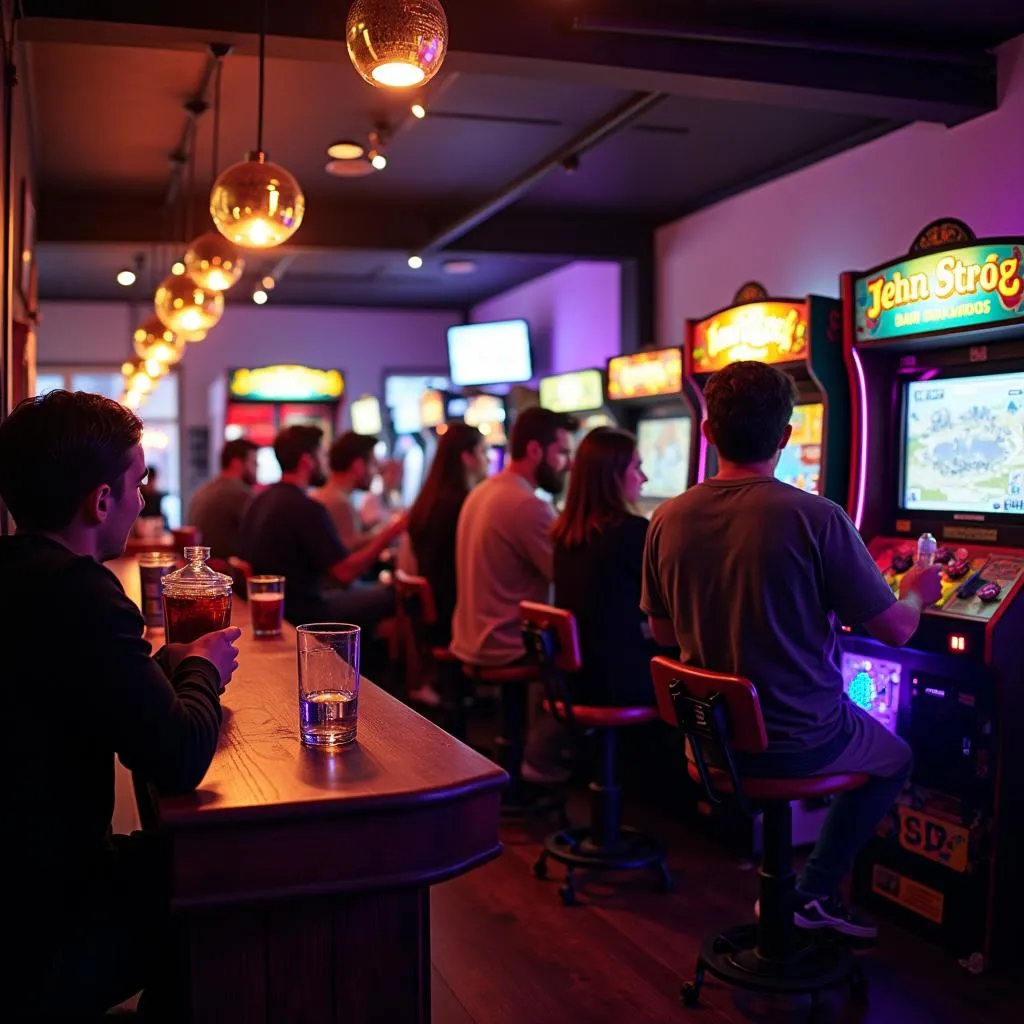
(126, 218)
(536, 39)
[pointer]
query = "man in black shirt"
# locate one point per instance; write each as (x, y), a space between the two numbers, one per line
(88, 911)
(286, 532)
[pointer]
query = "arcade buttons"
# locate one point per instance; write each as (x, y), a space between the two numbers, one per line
(958, 569)
(989, 592)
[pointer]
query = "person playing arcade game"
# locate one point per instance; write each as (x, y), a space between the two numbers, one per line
(749, 575)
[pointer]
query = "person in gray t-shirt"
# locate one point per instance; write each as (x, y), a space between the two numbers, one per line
(749, 575)
(217, 507)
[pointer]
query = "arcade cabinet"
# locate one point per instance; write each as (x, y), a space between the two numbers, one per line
(364, 415)
(647, 396)
(487, 413)
(935, 346)
(257, 403)
(804, 338)
(581, 394)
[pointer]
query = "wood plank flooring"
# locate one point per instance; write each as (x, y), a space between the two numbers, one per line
(505, 950)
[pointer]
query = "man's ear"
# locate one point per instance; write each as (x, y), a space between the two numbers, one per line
(96, 505)
(786, 435)
(705, 429)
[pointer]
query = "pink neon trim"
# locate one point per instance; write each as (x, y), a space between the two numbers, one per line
(862, 470)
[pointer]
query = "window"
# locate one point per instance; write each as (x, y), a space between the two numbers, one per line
(161, 437)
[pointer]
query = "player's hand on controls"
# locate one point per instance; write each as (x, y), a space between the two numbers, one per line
(219, 649)
(924, 584)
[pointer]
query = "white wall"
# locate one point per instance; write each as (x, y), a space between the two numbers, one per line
(797, 234)
(574, 315)
(363, 343)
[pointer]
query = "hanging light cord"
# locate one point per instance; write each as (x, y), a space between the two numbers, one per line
(263, 58)
(216, 121)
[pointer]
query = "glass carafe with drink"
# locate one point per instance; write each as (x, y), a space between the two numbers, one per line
(197, 600)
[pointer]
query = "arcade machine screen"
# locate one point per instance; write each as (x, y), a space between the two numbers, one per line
(664, 445)
(365, 416)
(964, 445)
(487, 413)
(800, 462)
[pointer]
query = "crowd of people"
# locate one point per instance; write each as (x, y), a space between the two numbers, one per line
(741, 574)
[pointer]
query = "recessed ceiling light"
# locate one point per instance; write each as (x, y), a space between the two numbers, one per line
(418, 111)
(415, 262)
(259, 296)
(126, 278)
(459, 267)
(379, 161)
(345, 150)
(348, 168)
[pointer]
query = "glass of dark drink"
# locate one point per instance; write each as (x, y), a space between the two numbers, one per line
(197, 600)
(266, 605)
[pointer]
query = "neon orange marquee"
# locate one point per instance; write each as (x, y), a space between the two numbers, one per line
(771, 332)
(656, 371)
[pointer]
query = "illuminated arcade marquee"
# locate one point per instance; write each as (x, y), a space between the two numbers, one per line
(286, 383)
(647, 374)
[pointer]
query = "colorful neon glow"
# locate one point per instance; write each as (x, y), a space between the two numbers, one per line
(579, 391)
(862, 439)
(657, 371)
(770, 332)
(286, 384)
(974, 286)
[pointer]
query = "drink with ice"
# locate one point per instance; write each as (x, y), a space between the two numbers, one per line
(328, 683)
(327, 718)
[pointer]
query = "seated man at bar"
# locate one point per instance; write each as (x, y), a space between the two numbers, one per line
(286, 532)
(749, 575)
(87, 912)
(504, 554)
(218, 506)
(353, 467)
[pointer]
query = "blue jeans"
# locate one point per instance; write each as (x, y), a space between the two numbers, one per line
(854, 815)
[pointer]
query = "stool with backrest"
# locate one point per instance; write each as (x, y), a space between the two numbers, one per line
(418, 614)
(719, 717)
(550, 636)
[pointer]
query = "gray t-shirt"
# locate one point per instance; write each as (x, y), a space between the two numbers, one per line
(753, 573)
(217, 509)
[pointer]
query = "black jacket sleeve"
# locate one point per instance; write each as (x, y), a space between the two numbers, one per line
(164, 729)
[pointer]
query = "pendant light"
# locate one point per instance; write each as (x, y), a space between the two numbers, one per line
(397, 43)
(186, 307)
(154, 342)
(211, 260)
(257, 204)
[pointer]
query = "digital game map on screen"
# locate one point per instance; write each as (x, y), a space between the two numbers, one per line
(964, 444)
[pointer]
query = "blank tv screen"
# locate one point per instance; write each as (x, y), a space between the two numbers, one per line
(800, 461)
(665, 450)
(495, 353)
(963, 444)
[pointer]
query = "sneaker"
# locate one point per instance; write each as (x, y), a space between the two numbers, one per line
(543, 776)
(819, 912)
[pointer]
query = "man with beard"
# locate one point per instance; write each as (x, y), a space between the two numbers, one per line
(218, 506)
(285, 532)
(504, 554)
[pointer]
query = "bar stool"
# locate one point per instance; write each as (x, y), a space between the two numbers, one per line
(417, 613)
(550, 636)
(719, 716)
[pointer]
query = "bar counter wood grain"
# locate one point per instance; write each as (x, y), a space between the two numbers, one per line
(302, 877)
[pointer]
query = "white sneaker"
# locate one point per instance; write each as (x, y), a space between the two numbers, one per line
(541, 777)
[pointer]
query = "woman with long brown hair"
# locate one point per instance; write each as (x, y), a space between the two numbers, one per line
(599, 544)
(460, 463)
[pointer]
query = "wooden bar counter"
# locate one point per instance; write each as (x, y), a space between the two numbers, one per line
(302, 877)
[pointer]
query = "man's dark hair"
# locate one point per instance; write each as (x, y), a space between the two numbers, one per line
(749, 406)
(349, 448)
(294, 442)
(237, 449)
(56, 449)
(540, 425)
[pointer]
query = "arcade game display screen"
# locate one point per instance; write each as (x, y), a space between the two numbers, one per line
(665, 450)
(800, 462)
(963, 444)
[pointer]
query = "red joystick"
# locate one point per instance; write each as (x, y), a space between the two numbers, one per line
(958, 569)
(943, 556)
(989, 592)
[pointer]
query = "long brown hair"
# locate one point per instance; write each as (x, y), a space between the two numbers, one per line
(447, 474)
(596, 496)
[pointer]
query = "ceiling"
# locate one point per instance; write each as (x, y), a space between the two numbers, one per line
(767, 87)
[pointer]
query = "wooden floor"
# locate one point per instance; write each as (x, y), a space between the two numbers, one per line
(505, 951)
